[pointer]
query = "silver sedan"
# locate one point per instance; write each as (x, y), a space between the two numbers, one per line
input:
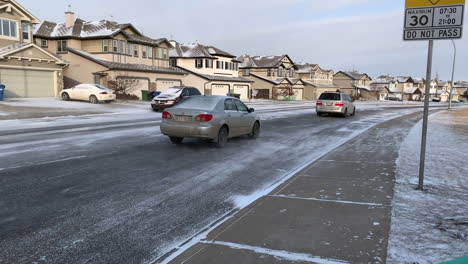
(216, 118)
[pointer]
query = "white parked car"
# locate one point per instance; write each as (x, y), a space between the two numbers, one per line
(94, 93)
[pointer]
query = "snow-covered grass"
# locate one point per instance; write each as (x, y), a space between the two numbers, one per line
(431, 226)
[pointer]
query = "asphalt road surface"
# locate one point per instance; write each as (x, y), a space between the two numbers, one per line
(122, 193)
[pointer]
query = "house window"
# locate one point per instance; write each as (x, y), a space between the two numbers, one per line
(208, 64)
(8, 28)
(165, 54)
(173, 62)
(115, 45)
(280, 72)
(160, 53)
(122, 46)
(25, 29)
(129, 49)
(144, 51)
(61, 46)
(226, 65)
(44, 43)
(269, 72)
(150, 52)
(291, 73)
(198, 63)
(136, 47)
(246, 72)
(105, 45)
(219, 65)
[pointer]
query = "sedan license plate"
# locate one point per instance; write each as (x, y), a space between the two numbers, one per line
(329, 104)
(183, 118)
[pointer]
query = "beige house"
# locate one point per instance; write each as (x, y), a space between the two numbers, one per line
(25, 69)
(108, 53)
(274, 77)
(316, 80)
(352, 82)
(211, 70)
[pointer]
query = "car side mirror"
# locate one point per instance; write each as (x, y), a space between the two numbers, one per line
(251, 110)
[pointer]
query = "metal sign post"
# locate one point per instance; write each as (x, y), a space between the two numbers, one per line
(430, 20)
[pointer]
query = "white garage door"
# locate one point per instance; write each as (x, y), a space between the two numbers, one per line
(299, 94)
(219, 89)
(162, 85)
(27, 83)
(243, 90)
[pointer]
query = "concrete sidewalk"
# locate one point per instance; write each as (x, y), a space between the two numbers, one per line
(337, 210)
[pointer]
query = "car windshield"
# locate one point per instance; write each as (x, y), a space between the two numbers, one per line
(171, 91)
(101, 87)
(330, 96)
(198, 103)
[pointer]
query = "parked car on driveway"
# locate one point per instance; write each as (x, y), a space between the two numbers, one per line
(216, 118)
(94, 93)
(335, 103)
(172, 96)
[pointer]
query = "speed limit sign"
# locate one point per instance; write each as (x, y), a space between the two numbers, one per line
(433, 19)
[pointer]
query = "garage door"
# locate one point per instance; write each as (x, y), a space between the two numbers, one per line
(263, 94)
(26, 83)
(219, 89)
(299, 94)
(243, 90)
(162, 85)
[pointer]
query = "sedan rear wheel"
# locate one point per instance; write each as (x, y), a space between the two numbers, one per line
(93, 99)
(354, 112)
(65, 97)
(345, 114)
(176, 140)
(222, 137)
(255, 131)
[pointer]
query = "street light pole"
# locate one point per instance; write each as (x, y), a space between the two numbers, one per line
(453, 74)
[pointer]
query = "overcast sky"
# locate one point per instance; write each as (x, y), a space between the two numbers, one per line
(365, 35)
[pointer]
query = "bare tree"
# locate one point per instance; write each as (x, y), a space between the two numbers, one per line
(123, 83)
(283, 92)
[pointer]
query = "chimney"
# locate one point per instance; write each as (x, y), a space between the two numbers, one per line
(69, 19)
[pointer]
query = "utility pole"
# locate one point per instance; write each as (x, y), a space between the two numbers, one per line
(453, 74)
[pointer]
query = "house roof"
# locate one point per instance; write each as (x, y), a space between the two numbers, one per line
(413, 90)
(20, 9)
(217, 77)
(16, 47)
(306, 67)
(92, 30)
(355, 75)
(262, 61)
(196, 50)
(126, 66)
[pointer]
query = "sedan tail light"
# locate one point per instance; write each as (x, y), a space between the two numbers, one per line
(204, 118)
(339, 104)
(103, 93)
(319, 103)
(166, 115)
(114, 92)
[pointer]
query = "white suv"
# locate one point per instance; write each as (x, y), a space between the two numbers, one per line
(335, 103)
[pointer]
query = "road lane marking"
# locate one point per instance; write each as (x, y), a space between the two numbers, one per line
(42, 163)
(325, 200)
(282, 254)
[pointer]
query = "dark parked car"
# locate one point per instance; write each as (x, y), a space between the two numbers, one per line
(172, 96)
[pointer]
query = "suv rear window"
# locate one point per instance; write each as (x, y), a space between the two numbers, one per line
(330, 96)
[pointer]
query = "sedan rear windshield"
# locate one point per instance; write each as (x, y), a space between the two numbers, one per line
(330, 96)
(101, 87)
(198, 103)
(171, 91)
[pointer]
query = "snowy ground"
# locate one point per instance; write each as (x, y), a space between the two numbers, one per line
(432, 226)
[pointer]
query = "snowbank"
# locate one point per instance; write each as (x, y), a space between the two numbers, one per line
(432, 226)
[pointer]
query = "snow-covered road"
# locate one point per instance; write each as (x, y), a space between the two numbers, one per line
(125, 194)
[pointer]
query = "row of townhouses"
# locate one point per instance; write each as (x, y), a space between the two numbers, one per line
(40, 58)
